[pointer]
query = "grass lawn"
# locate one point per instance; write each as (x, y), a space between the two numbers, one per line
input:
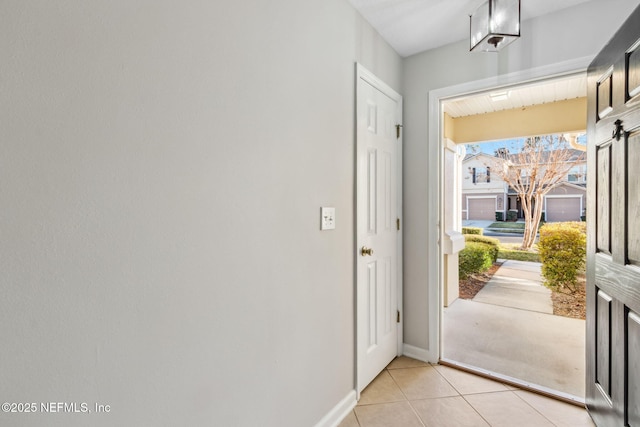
(508, 225)
(511, 251)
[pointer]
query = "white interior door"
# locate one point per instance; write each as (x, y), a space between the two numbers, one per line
(378, 237)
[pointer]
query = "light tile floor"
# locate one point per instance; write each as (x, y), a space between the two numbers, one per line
(413, 393)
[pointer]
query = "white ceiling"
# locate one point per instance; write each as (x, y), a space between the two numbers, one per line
(559, 89)
(413, 26)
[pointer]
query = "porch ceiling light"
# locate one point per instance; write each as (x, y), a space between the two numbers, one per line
(494, 25)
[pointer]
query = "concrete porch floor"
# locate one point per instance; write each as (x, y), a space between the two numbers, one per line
(508, 329)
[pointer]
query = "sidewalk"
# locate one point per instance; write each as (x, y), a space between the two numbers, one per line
(509, 329)
(476, 223)
(517, 284)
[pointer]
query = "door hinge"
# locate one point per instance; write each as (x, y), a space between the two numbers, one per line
(398, 223)
(398, 131)
(398, 317)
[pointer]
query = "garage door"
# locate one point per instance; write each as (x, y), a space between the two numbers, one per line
(563, 209)
(484, 209)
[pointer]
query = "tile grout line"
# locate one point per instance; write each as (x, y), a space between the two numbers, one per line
(463, 398)
(532, 407)
(356, 415)
(416, 414)
(445, 378)
(406, 398)
(451, 384)
(397, 385)
(381, 403)
(476, 410)
(414, 409)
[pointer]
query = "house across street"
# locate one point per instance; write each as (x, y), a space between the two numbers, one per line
(486, 197)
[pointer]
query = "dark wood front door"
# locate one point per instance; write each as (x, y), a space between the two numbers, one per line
(613, 253)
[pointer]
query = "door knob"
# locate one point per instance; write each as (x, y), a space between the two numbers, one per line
(366, 251)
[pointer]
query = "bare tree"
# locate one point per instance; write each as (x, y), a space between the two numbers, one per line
(533, 170)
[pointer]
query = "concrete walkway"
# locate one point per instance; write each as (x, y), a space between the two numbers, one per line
(509, 329)
(517, 284)
(476, 223)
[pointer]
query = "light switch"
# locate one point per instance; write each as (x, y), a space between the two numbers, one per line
(327, 218)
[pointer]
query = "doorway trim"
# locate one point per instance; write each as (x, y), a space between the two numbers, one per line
(435, 196)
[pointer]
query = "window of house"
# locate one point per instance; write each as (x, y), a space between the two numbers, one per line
(577, 174)
(481, 175)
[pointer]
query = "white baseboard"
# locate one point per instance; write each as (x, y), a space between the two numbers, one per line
(417, 353)
(339, 412)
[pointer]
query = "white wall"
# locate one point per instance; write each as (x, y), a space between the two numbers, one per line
(162, 169)
(571, 34)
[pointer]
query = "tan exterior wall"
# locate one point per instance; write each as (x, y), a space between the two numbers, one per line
(557, 117)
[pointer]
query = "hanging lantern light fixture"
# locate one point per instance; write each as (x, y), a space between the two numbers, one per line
(494, 25)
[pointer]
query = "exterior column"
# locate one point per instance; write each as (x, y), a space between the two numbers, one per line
(453, 240)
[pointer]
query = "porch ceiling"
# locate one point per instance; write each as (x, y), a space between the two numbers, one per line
(560, 89)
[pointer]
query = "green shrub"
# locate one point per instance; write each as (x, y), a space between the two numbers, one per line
(472, 230)
(476, 257)
(512, 215)
(518, 254)
(481, 239)
(491, 241)
(562, 249)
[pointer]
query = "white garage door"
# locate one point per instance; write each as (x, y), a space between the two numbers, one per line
(482, 209)
(563, 209)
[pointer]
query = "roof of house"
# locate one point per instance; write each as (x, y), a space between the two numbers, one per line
(574, 156)
(474, 155)
(579, 187)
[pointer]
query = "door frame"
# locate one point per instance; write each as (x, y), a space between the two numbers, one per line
(435, 193)
(366, 75)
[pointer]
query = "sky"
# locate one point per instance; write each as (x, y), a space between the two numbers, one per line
(492, 146)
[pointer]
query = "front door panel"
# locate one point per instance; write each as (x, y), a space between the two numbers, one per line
(613, 255)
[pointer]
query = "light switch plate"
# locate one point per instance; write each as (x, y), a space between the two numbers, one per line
(327, 218)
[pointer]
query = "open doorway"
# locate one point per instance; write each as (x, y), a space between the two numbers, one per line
(509, 329)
